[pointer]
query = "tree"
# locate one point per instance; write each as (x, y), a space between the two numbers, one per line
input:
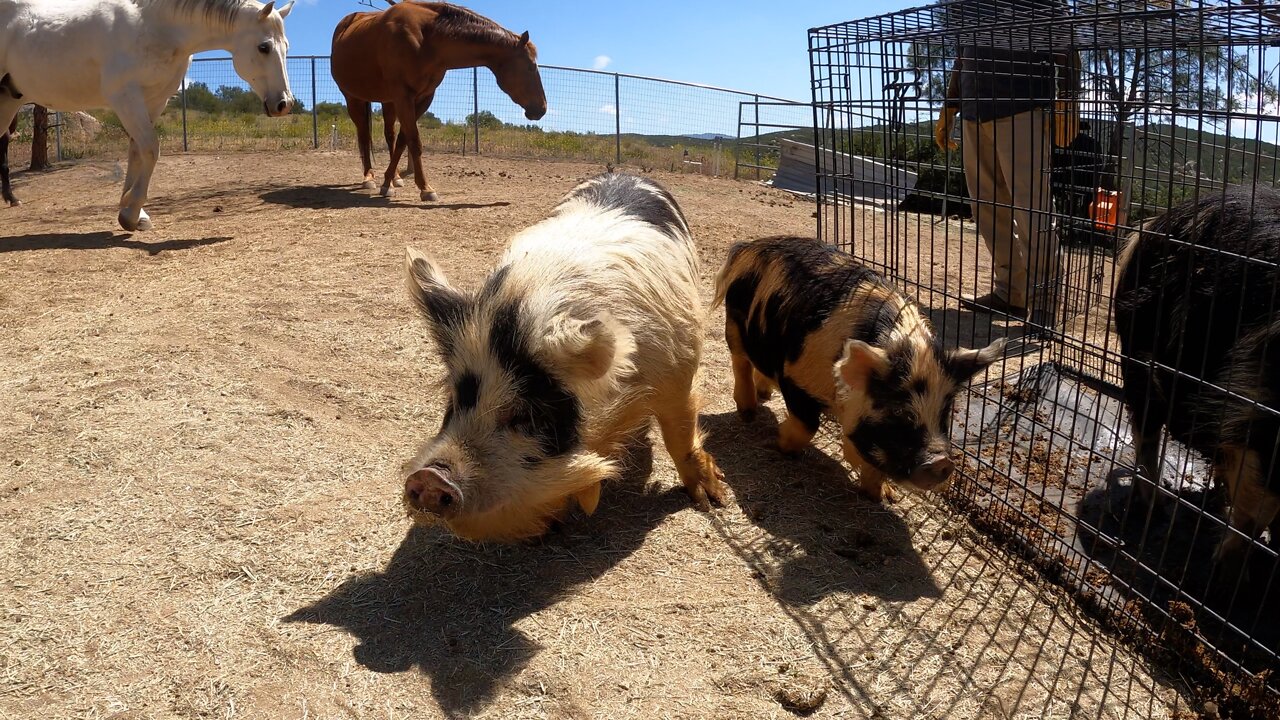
(1152, 82)
(330, 109)
(40, 138)
(485, 119)
(1124, 76)
(235, 99)
(201, 99)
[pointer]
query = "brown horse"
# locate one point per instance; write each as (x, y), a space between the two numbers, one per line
(399, 56)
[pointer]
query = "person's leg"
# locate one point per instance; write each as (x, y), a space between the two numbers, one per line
(1024, 156)
(990, 201)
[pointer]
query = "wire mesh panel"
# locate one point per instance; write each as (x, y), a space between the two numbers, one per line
(995, 158)
(766, 130)
(592, 115)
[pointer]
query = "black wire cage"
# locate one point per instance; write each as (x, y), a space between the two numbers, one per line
(1096, 182)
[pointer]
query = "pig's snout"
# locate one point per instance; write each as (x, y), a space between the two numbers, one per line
(431, 490)
(933, 472)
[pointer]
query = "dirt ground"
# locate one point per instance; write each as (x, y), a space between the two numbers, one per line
(200, 431)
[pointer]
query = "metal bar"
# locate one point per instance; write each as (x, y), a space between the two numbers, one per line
(475, 104)
(315, 120)
(757, 126)
(617, 118)
(185, 147)
(683, 83)
(57, 136)
(737, 144)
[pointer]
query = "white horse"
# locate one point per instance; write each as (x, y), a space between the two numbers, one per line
(131, 56)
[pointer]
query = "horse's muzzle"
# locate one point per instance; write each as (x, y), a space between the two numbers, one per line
(535, 113)
(279, 107)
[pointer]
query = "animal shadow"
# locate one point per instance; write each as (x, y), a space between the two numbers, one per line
(449, 608)
(1167, 554)
(342, 197)
(99, 241)
(956, 327)
(851, 545)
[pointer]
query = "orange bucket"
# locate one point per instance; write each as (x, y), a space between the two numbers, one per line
(1105, 210)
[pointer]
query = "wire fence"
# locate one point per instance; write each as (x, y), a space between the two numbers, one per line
(1127, 445)
(594, 116)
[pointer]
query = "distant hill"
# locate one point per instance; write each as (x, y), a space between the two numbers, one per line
(708, 139)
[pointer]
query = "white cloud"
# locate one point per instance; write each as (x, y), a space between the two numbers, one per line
(602, 62)
(608, 109)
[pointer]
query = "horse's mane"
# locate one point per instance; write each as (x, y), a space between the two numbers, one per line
(460, 22)
(215, 11)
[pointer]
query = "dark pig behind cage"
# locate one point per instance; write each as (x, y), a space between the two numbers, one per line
(1198, 318)
(590, 325)
(837, 339)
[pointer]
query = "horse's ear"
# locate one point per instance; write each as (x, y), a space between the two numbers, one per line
(284, 11)
(524, 39)
(265, 12)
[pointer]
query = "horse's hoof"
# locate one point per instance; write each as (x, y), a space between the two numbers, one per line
(386, 191)
(129, 224)
(144, 221)
(369, 185)
(15, 202)
(398, 182)
(429, 196)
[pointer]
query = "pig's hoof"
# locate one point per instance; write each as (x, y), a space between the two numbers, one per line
(890, 494)
(708, 487)
(763, 394)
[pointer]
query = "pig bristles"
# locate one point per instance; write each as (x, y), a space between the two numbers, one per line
(605, 440)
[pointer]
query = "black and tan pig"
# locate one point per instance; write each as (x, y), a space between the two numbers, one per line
(1197, 312)
(837, 339)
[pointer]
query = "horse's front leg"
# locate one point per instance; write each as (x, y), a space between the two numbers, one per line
(6, 188)
(130, 106)
(361, 113)
(390, 113)
(389, 134)
(409, 128)
(11, 125)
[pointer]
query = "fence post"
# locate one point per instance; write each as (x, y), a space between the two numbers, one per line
(617, 118)
(757, 142)
(737, 145)
(57, 136)
(475, 104)
(315, 120)
(184, 113)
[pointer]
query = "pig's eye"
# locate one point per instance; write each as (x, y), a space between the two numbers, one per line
(517, 418)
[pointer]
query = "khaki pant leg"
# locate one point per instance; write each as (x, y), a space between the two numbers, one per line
(1024, 156)
(990, 199)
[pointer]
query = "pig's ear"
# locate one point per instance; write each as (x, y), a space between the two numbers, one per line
(582, 349)
(444, 307)
(858, 364)
(964, 364)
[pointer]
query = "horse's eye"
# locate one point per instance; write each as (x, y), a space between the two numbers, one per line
(265, 47)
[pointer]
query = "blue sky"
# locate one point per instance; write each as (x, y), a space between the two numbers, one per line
(752, 45)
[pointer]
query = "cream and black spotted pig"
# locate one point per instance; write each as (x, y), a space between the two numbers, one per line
(590, 324)
(835, 338)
